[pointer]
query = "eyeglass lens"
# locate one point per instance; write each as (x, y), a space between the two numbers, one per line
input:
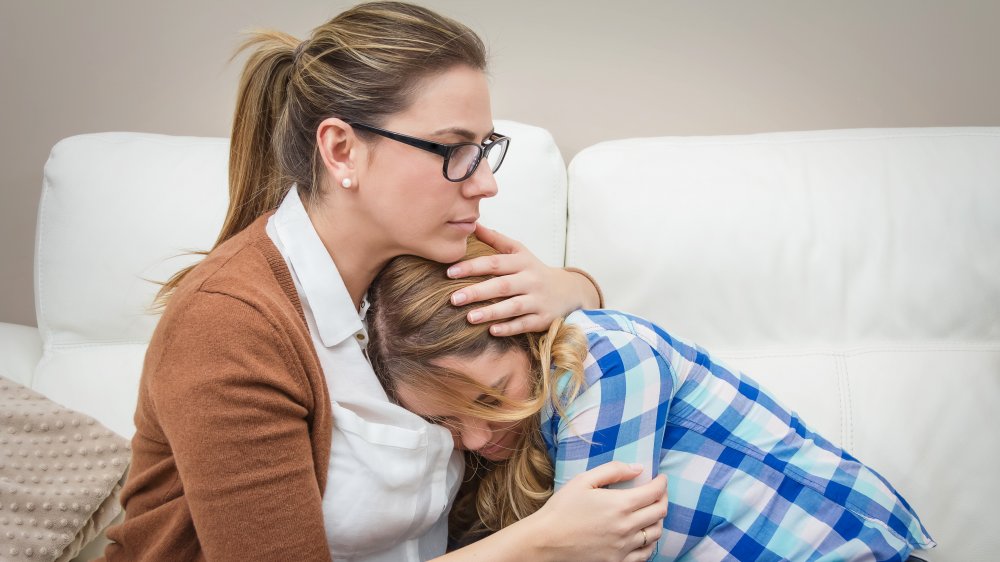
(465, 159)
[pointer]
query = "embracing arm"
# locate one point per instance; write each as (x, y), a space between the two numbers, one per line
(236, 411)
(582, 522)
(537, 294)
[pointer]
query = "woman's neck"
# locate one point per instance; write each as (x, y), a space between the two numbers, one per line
(358, 257)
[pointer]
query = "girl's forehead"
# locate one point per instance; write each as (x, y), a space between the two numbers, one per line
(502, 371)
(489, 367)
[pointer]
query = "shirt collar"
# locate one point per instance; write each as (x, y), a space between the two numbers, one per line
(322, 286)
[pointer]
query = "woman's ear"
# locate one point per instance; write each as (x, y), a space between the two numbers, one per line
(337, 146)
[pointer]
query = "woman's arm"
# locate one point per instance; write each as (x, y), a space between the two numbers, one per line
(581, 522)
(537, 294)
(235, 414)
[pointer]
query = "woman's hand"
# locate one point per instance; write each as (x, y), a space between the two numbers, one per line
(536, 293)
(585, 521)
(582, 522)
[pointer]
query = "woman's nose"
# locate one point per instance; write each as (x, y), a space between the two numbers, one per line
(475, 435)
(481, 183)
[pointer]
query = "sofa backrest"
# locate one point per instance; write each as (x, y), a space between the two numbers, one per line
(856, 273)
(120, 211)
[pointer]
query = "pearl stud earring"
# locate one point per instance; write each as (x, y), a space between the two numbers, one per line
(346, 183)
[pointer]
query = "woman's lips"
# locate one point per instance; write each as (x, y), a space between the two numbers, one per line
(468, 227)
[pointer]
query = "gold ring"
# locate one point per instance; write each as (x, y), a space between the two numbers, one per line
(644, 538)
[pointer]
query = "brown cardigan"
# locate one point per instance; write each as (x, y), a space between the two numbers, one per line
(233, 423)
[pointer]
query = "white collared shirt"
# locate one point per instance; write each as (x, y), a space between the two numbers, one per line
(392, 476)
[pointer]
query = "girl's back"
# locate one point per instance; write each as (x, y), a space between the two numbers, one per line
(747, 478)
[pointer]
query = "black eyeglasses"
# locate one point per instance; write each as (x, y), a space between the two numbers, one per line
(460, 159)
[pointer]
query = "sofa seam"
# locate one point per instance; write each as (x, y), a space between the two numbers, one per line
(984, 347)
(847, 413)
(44, 333)
(687, 141)
(107, 343)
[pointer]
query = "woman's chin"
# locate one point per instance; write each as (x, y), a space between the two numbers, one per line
(447, 251)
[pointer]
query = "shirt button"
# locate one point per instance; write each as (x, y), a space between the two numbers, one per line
(361, 337)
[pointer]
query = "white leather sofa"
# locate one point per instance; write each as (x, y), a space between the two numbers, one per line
(856, 273)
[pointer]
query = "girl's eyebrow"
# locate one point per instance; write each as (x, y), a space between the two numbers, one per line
(499, 385)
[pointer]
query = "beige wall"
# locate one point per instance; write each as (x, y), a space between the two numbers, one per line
(586, 70)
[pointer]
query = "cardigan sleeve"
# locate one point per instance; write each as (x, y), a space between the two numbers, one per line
(589, 277)
(233, 402)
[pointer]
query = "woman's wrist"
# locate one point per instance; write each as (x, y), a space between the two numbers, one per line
(589, 291)
(526, 539)
(523, 540)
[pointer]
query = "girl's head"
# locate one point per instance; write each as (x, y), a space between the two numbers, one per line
(310, 113)
(486, 390)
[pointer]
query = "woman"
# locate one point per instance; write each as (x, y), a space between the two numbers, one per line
(748, 480)
(261, 430)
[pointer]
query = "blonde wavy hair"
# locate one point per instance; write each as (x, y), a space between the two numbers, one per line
(363, 65)
(412, 323)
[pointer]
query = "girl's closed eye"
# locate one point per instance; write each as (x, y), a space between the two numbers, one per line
(491, 401)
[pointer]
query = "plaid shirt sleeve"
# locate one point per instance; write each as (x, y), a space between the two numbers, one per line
(621, 411)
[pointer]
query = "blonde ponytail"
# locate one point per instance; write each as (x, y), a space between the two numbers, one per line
(255, 184)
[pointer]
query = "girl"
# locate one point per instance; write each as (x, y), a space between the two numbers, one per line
(748, 479)
(261, 431)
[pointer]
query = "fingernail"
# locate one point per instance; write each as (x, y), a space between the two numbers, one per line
(496, 331)
(636, 467)
(453, 271)
(475, 316)
(458, 298)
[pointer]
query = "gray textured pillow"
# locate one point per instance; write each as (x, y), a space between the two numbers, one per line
(60, 475)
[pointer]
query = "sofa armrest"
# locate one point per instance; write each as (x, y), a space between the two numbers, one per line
(20, 351)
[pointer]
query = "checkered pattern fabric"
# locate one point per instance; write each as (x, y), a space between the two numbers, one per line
(748, 480)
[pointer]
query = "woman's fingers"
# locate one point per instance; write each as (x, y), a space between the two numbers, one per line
(607, 524)
(651, 534)
(650, 494)
(521, 325)
(649, 522)
(640, 555)
(607, 474)
(497, 287)
(654, 532)
(497, 264)
(499, 241)
(535, 293)
(650, 515)
(645, 542)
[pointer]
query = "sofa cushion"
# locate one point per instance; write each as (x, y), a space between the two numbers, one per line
(854, 273)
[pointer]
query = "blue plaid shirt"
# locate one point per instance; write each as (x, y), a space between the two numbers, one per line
(748, 480)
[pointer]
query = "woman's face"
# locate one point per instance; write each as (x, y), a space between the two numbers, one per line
(507, 372)
(403, 192)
